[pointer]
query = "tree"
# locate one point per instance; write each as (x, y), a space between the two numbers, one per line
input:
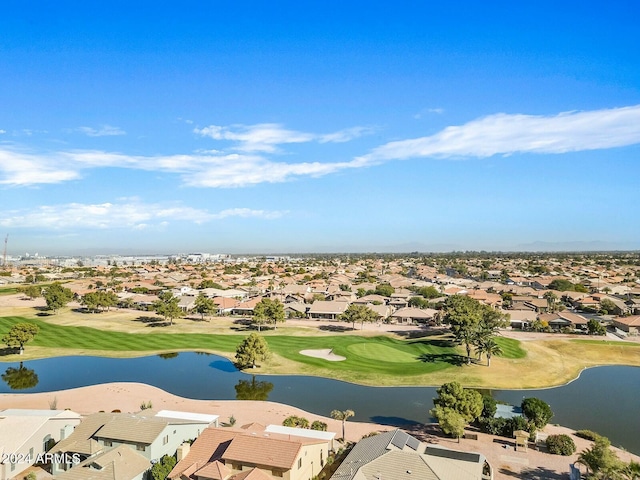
(20, 334)
(600, 459)
(463, 314)
(489, 347)
(33, 291)
(253, 389)
(161, 469)
(254, 348)
(536, 411)
(167, 306)
(57, 296)
(464, 401)
(268, 311)
(418, 302)
(608, 307)
(205, 306)
(551, 299)
(384, 289)
(451, 422)
(429, 292)
(343, 416)
(20, 378)
(358, 313)
(594, 327)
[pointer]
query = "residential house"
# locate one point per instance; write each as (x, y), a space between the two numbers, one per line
(372, 298)
(630, 325)
(521, 319)
(225, 454)
(414, 315)
(27, 434)
(148, 435)
(295, 310)
(326, 310)
(564, 319)
(246, 308)
(398, 455)
(121, 463)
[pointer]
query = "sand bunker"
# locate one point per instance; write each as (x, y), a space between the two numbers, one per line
(326, 354)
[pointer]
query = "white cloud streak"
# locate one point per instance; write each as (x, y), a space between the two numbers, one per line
(499, 134)
(104, 131)
(124, 214)
(265, 137)
(504, 134)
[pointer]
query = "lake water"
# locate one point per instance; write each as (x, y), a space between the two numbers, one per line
(603, 399)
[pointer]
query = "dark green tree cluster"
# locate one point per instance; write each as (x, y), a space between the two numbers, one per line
(358, 313)
(205, 306)
(456, 406)
(603, 464)
(167, 306)
(560, 445)
(57, 296)
(253, 349)
(19, 335)
(474, 324)
(161, 469)
(99, 300)
(268, 311)
(295, 421)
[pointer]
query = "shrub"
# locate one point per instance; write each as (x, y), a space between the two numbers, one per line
(295, 421)
(588, 435)
(318, 425)
(561, 445)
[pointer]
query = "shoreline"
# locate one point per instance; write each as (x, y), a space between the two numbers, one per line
(15, 358)
(128, 397)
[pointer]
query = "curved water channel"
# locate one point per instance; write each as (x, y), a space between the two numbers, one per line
(603, 399)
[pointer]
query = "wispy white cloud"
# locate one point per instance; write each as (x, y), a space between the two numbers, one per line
(425, 111)
(130, 214)
(504, 134)
(2, 132)
(104, 131)
(266, 137)
(500, 134)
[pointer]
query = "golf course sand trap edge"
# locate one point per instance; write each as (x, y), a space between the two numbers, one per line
(325, 354)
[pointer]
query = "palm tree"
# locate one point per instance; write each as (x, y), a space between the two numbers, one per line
(551, 299)
(342, 415)
(489, 347)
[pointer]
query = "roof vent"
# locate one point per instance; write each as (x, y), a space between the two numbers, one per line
(409, 472)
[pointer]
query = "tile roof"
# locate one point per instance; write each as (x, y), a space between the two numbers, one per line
(208, 447)
(121, 463)
(214, 471)
(131, 428)
(263, 451)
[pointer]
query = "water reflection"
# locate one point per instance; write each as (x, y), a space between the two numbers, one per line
(253, 389)
(20, 378)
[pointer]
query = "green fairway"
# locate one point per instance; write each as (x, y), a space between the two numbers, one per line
(367, 359)
(383, 353)
(510, 348)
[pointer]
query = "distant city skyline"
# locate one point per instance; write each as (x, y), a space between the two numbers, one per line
(319, 127)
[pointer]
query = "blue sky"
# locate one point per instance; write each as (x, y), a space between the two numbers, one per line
(319, 126)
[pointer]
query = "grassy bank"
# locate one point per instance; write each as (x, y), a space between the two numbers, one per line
(371, 360)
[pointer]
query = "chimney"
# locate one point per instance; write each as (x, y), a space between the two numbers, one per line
(183, 451)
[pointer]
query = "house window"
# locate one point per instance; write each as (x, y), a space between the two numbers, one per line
(165, 440)
(108, 443)
(299, 463)
(276, 473)
(141, 448)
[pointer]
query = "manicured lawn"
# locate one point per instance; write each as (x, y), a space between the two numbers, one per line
(380, 355)
(8, 290)
(510, 348)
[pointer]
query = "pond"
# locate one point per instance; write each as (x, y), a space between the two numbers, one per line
(603, 399)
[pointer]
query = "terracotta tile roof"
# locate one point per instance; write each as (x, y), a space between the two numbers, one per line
(208, 447)
(214, 471)
(263, 451)
(253, 474)
(121, 462)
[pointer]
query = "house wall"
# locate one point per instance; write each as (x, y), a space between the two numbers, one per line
(177, 435)
(34, 446)
(307, 465)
